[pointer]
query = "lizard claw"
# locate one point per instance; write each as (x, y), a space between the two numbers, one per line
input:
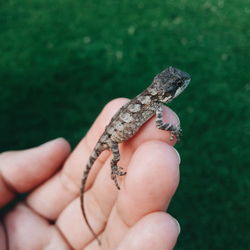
(114, 178)
(117, 171)
(120, 171)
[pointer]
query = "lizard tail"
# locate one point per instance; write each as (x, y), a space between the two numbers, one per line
(94, 155)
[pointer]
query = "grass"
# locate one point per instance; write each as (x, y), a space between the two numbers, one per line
(62, 61)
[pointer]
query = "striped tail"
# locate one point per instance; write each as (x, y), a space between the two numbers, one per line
(94, 155)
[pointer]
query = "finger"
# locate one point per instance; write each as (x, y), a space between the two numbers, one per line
(154, 231)
(22, 222)
(21, 171)
(66, 184)
(152, 179)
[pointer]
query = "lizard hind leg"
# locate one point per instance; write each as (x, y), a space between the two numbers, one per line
(116, 170)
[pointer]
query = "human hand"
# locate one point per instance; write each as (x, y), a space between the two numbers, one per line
(132, 218)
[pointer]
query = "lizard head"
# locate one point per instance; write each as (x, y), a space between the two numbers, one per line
(170, 83)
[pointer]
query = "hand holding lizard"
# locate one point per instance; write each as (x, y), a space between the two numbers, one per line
(131, 218)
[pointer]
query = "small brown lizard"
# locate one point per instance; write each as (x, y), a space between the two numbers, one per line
(129, 118)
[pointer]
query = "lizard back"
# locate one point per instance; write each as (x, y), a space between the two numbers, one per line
(127, 121)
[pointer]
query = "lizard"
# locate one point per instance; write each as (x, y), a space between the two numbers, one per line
(130, 117)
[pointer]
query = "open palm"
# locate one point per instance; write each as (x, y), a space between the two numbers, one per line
(132, 218)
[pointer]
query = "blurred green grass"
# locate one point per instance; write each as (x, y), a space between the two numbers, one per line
(62, 61)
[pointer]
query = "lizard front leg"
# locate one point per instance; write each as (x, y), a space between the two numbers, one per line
(115, 170)
(175, 130)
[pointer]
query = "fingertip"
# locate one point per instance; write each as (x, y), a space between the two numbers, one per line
(112, 106)
(60, 145)
(170, 116)
(156, 230)
(23, 170)
(169, 224)
(171, 228)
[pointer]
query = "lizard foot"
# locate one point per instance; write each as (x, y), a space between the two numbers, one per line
(176, 132)
(116, 171)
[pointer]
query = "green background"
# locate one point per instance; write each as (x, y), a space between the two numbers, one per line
(61, 61)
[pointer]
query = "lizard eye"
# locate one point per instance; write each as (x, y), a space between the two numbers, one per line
(179, 83)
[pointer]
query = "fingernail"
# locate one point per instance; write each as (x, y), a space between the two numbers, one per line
(178, 155)
(178, 225)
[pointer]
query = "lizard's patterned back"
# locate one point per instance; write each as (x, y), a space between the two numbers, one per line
(131, 117)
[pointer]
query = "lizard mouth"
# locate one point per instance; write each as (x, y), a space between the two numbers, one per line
(180, 90)
(186, 83)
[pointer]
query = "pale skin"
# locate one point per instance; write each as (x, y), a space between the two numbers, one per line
(132, 218)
